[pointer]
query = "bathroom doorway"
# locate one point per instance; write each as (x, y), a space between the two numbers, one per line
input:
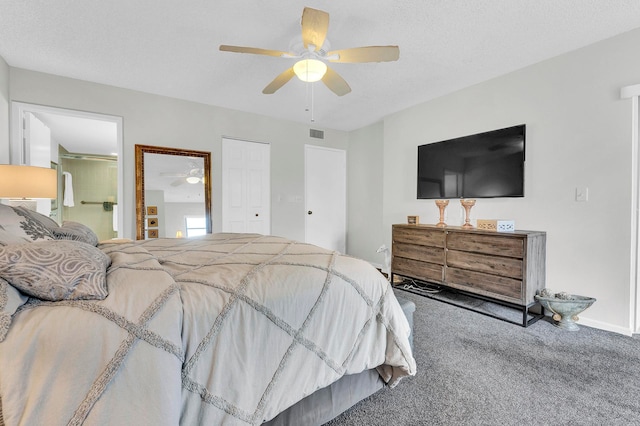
(86, 148)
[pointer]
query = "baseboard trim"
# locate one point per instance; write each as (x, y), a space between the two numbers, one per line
(605, 326)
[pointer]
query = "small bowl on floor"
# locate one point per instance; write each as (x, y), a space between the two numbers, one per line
(565, 311)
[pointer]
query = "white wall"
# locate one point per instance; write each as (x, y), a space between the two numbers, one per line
(4, 112)
(578, 134)
(162, 121)
(365, 166)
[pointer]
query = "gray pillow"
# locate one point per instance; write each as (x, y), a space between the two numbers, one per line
(56, 270)
(10, 300)
(16, 226)
(75, 231)
(43, 220)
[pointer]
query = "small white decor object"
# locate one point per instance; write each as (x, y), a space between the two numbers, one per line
(498, 225)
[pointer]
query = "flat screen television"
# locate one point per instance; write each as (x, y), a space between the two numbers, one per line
(485, 165)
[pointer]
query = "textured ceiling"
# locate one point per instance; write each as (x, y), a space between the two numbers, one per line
(170, 47)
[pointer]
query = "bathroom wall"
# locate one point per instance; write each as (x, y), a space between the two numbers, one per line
(94, 180)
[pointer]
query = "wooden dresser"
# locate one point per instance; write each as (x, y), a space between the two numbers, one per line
(508, 267)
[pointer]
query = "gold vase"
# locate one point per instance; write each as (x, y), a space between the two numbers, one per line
(442, 204)
(467, 204)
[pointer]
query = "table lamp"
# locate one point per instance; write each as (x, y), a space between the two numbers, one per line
(23, 182)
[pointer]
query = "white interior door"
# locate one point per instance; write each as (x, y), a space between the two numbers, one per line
(326, 197)
(246, 186)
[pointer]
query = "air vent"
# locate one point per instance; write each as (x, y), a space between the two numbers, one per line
(318, 134)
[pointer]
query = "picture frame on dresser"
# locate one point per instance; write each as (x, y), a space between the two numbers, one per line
(413, 220)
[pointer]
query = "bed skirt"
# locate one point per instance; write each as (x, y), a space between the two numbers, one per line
(327, 403)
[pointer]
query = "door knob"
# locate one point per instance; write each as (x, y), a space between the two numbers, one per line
(309, 212)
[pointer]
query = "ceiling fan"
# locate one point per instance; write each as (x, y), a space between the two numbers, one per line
(312, 53)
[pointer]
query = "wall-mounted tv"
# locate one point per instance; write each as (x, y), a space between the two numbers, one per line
(485, 165)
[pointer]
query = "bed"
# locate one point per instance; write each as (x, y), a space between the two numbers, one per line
(225, 329)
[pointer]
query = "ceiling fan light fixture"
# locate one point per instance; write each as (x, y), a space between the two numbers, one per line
(310, 70)
(193, 179)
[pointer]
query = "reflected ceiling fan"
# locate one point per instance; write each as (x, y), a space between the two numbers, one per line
(313, 51)
(194, 175)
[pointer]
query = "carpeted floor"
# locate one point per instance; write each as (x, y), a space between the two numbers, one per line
(477, 370)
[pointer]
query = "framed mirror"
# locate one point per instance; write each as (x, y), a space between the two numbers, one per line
(173, 192)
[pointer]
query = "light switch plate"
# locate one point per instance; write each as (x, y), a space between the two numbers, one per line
(582, 193)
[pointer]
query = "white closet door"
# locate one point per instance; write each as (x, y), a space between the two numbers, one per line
(326, 197)
(246, 186)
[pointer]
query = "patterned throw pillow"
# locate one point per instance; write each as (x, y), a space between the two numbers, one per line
(10, 300)
(75, 231)
(16, 226)
(43, 220)
(56, 270)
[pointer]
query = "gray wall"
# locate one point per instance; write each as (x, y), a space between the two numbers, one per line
(365, 177)
(578, 134)
(162, 121)
(4, 112)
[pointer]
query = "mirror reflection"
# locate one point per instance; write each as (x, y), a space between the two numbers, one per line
(173, 192)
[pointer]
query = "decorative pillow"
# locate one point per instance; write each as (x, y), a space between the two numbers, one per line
(10, 300)
(43, 220)
(56, 270)
(20, 227)
(77, 232)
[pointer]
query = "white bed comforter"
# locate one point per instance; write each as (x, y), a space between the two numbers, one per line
(226, 329)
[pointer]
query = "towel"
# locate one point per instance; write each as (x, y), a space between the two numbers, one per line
(68, 190)
(115, 218)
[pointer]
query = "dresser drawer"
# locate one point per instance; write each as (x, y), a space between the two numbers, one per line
(508, 245)
(503, 288)
(417, 269)
(495, 265)
(417, 235)
(416, 252)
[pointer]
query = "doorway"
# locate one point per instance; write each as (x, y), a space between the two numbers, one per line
(325, 181)
(74, 134)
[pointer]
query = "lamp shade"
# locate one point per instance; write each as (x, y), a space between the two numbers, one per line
(27, 182)
(310, 70)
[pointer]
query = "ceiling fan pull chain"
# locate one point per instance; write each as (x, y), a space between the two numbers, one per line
(306, 97)
(312, 118)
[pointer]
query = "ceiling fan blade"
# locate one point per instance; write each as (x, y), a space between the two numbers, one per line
(178, 182)
(315, 24)
(279, 81)
(335, 83)
(366, 54)
(253, 50)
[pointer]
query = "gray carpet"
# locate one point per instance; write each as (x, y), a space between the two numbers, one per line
(477, 370)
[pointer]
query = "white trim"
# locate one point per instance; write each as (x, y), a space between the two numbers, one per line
(630, 91)
(17, 153)
(604, 326)
(633, 92)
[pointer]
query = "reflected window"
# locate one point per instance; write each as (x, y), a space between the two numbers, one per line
(195, 226)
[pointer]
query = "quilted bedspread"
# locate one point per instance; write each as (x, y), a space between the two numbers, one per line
(227, 329)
